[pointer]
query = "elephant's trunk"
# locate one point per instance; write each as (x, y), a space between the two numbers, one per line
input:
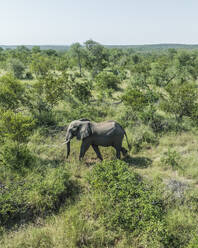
(68, 148)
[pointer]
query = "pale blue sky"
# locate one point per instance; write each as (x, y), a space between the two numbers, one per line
(106, 21)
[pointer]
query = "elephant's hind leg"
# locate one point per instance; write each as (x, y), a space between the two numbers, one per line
(118, 148)
(124, 151)
(97, 151)
(118, 153)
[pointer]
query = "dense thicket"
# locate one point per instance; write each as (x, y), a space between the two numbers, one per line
(152, 94)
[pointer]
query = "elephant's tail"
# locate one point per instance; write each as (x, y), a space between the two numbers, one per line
(129, 145)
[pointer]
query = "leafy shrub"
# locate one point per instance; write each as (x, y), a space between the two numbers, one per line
(143, 137)
(40, 65)
(16, 126)
(17, 67)
(142, 103)
(82, 91)
(194, 242)
(86, 111)
(124, 201)
(40, 109)
(11, 92)
(37, 194)
(135, 98)
(28, 75)
(181, 101)
(15, 156)
(52, 87)
(181, 226)
(108, 82)
(171, 158)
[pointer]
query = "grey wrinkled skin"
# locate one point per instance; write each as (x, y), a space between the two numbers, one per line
(108, 133)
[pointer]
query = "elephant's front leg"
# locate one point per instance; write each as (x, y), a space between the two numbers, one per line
(84, 147)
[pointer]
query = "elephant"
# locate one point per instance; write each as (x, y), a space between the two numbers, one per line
(108, 133)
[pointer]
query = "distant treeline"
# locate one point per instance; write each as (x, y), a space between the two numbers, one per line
(135, 47)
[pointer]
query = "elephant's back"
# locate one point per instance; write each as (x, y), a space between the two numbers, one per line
(108, 128)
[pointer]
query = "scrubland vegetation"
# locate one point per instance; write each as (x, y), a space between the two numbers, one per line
(148, 198)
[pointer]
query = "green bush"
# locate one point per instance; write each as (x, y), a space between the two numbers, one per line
(87, 111)
(194, 242)
(40, 109)
(82, 91)
(15, 156)
(136, 99)
(107, 82)
(143, 137)
(52, 87)
(124, 201)
(171, 158)
(38, 193)
(17, 67)
(16, 126)
(181, 100)
(181, 227)
(11, 92)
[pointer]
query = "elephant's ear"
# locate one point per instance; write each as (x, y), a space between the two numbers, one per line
(84, 130)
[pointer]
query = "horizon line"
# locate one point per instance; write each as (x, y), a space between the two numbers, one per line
(146, 44)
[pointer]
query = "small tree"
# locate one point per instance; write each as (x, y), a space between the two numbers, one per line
(15, 129)
(96, 56)
(17, 68)
(11, 92)
(181, 100)
(15, 126)
(52, 87)
(107, 82)
(136, 99)
(40, 65)
(82, 90)
(77, 52)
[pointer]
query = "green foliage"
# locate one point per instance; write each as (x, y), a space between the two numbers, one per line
(107, 82)
(81, 90)
(37, 194)
(143, 137)
(40, 65)
(95, 57)
(171, 158)
(16, 126)
(182, 227)
(136, 99)
(40, 109)
(15, 156)
(15, 129)
(87, 111)
(194, 242)
(11, 92)
(186, 64)
(38, 239)
(142, 105)
(52, 87)
(36, 49)
(78, 54)
(181, 100)
(17, 68)
(124, 201)
(162, 71)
